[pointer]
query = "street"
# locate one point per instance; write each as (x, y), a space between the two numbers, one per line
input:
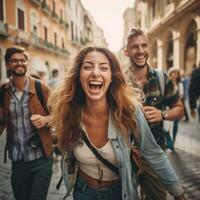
(185, 160)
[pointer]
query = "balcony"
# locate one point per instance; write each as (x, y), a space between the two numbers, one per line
(22, 38)
(36, 2)
(55, 16)
(63, 52)
(47, 46)
(64, 24)
(46, 8)
(41, 43)
(3, 29)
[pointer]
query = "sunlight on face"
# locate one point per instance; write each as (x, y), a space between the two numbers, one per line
(95, 76)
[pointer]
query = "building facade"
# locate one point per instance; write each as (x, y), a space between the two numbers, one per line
(83, 29)
(41, 27)
(52, 31)
(173, 27)
(129, 22)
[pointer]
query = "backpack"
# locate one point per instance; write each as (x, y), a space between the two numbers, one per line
(161, 79)
(39, 93)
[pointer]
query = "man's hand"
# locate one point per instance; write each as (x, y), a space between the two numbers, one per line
(193, 113)
(39, 121)
(181, 197)
(152, 114)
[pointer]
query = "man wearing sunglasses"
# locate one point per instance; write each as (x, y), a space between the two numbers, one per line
(26, 123)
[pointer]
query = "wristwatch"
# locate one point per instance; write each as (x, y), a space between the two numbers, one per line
(164, 114)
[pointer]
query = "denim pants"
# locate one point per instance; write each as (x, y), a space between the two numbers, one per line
(30, 180)
(82, 191)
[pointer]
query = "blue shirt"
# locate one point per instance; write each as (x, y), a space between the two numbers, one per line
(22, 127)
(149, 149)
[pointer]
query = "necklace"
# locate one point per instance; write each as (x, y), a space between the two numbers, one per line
(100, 173)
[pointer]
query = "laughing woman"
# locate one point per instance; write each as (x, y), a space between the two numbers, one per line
(95, 112)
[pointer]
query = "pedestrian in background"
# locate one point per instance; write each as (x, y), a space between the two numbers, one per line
(55, 78)
(141, 75)
(185, 79)
(194, 91)
(95, 113)
(52, 84)
(174, 74)
(26, 122)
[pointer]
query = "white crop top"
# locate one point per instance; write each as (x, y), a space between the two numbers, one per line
(90, 165)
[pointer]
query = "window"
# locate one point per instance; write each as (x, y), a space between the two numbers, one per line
(154, 9)
(1, 10)
(20, 19)
(76, 33)
(54, 6)
(55, 39)
(72, 30)
(61, 13)
(63, 43)
(35, 30)
(81, 36)
(45, 33)
(76, 11)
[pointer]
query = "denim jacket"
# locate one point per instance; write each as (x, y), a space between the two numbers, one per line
(149, 149)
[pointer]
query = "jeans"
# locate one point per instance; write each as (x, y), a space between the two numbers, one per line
(30, 180)
(83, 191)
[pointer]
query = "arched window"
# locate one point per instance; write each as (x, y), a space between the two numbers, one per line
(170, 52)
(154, 59)
(191, 46)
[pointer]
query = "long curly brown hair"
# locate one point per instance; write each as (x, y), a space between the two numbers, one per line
(68, 100)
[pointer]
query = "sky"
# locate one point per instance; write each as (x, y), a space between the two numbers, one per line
(108, 16)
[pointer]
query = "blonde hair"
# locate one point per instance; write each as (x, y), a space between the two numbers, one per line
(68, 101)
(134, 32)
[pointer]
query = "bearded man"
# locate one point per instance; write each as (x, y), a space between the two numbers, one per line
(143, 76)
(25, 119)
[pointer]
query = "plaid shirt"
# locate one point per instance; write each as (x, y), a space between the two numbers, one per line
(153, 94)
(22, 127)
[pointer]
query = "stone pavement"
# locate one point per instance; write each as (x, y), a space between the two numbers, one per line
(186, 158)
(186, 161)
(187, 168)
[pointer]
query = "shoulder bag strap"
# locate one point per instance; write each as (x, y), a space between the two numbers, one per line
(40, 95)
(99, 157)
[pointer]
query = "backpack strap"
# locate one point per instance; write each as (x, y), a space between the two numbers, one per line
(2, 94)
(40, 95)
(2, 99)
(2, 122)
(161, 79)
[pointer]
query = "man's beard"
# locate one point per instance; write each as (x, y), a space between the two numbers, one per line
(135, 65)
(19, 74)
(138, 66)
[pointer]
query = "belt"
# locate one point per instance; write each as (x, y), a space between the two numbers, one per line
(96, 183)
